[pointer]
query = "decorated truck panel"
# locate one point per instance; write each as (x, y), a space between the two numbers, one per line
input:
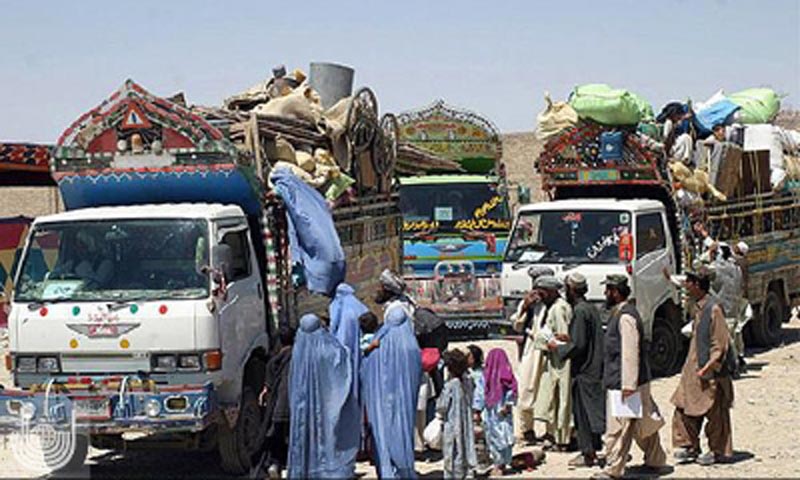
(455, 221)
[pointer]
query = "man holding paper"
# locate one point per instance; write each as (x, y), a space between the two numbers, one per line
(705, 391)
(631, 414)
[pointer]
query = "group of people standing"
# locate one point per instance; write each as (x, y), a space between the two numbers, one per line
(576, 375)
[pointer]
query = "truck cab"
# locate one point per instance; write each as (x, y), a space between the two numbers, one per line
(597, 237)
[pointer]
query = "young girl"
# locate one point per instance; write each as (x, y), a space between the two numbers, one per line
(499, 397)
(475, 362)
(455, 408)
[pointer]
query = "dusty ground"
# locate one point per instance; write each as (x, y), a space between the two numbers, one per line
(766, 434)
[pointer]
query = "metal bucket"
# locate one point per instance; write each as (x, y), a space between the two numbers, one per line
(333, 82)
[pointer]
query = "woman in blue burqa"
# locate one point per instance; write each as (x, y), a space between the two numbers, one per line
(390, 384)
(344, 311)
(325, 418)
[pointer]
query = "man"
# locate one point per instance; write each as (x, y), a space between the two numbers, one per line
(553, 398)
(727, 285)
(705, 390)
(740, 257)
(584, 348)
(392, 294)
(626, 369)
(529, 320)
(275, 398)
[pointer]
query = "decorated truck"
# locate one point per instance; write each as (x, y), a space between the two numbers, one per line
(632, 214)
(456, 221)
(168, 274)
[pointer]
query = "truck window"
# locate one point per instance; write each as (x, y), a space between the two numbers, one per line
(240, 252)
(589, 236)
(649, 234)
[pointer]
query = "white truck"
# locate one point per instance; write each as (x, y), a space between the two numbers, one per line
(590, 236)
(150, 306)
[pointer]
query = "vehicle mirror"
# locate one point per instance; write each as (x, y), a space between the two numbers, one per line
(222, 260)
(626, 247)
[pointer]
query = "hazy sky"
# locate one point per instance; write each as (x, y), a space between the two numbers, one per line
(59, 59)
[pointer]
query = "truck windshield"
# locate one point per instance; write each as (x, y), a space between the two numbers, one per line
(454, 207)
(115, 260)
(568, 237)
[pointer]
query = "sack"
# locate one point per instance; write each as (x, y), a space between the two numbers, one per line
(430, 359)
(759, 105)
(720, 112)
(605, 105)
(433, 433)
(555, 118)
(646, 113)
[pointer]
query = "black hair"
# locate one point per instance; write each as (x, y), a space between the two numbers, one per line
(286, 335)
(726, 251)
(456, 362)
(702, 281)
(368, 322)
(623, 289)
(477, 355)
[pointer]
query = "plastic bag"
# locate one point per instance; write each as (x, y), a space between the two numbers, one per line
(433, 433)
(606, 105)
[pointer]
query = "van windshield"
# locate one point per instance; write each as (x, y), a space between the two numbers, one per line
(454, 207)
(115, 260)
(568, 236)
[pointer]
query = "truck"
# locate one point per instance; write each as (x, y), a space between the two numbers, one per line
(628, 215)
(151, 304)
(455, 221)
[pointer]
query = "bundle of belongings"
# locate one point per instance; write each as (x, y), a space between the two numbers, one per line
(732, 139)
(289, 96)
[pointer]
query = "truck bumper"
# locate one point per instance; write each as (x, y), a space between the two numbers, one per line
(183, 409)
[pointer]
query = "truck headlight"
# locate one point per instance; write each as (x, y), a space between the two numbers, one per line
(152, 407)
(189, 362)
(26, 364)
(47, 365)
(165, 363)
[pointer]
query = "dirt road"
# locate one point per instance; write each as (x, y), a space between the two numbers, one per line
(766, 431)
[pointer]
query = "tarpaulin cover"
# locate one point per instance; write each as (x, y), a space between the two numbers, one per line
(718, 113)
(344, 311)
(325, 419)
(313, 238)
(390, 383)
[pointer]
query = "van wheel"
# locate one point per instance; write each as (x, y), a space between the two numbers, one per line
(665, 349)
(766, 328)
(239, 446)
(55, 456)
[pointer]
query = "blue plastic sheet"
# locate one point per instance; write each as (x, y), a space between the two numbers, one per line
(313, 239)
(717, 113)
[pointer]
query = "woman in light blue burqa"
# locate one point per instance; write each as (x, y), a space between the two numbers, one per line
(325, 421)
(390, 384)
(344, 311)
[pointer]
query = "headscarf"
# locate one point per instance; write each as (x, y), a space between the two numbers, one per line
(325, 421)
(390, 385)
(498, 377)
(344, 311)
(391, 282)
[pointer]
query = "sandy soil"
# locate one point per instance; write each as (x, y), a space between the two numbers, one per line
(766, 434)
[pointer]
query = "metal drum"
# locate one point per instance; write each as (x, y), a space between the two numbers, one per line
(333, 82)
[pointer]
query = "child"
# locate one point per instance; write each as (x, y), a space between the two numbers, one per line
(500, 395)
(475, 362)
(455, 408)
(275, 398)
(369, 325)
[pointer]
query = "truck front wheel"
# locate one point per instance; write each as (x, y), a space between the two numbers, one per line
(238, 447)
(666, 348)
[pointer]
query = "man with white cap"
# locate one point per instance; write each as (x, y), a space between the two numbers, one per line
(529, 320)
(727, 286)
(553, 400)
(740, 251)
(584, 348)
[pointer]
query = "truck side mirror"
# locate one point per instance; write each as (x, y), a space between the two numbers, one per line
(222, 260)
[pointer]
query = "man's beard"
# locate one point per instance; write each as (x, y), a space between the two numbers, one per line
(611, 302)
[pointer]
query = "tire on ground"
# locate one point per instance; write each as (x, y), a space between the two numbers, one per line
(666, 348)
(239, 446)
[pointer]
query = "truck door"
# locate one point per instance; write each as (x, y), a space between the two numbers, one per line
(652, 254)
(241, 315)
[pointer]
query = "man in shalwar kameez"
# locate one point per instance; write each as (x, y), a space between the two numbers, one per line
(705, 391)
(553, 400)
(528, 320)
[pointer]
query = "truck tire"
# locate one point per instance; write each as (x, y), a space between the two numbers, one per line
(766, 328)
(239, 446)
(75, 463)
(666, 348)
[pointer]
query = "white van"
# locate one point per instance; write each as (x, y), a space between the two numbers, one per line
(597, 237)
